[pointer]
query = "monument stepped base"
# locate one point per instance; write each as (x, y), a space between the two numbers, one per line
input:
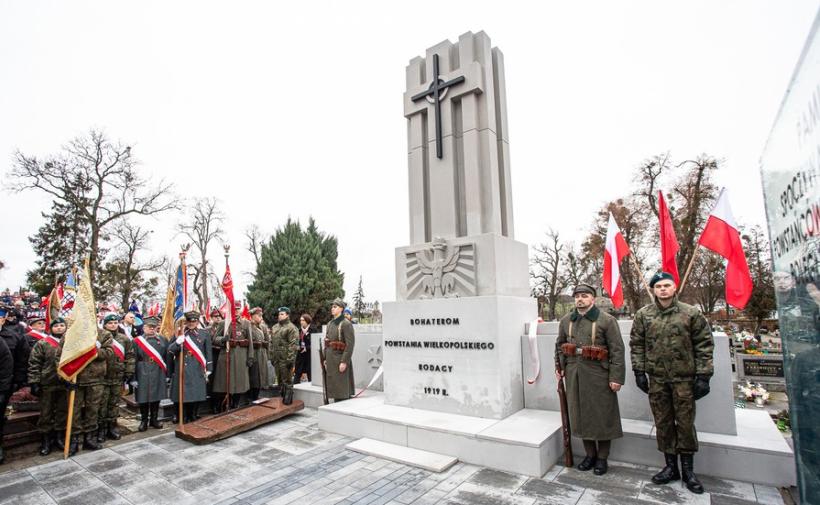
(529, 441)
(426, 460)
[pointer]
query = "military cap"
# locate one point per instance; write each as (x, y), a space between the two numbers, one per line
(583, 288)
(216, 312)
(111, 317)
(283, 309)
(57, 320)
(347, 311)
(192, 316)
(339, 303)
(3, 311)
(256, 310)
(34, 319)
(151, 321)
(659, 277)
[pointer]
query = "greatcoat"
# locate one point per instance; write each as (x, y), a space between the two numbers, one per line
(150, 376)
(340, 385)
(258, 374)
(239, 377)
(194, 390)
(593, 406)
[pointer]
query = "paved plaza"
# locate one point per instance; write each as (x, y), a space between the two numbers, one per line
(292, 461)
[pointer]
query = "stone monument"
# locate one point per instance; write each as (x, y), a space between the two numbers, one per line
(451, 340)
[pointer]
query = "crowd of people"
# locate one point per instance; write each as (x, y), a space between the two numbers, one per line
(222, 364)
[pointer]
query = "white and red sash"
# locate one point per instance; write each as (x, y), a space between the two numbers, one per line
(151, 352)
(197, 353)
(119, 350)
(38, 335)
(50, 340)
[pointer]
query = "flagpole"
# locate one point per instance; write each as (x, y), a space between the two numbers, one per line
(689, 269)
(227, 402)
(640, 275)
(67, 441)
(182, 332)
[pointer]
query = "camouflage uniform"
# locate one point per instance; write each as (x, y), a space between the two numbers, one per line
(117, 372)
(90, 388)
(284, 340)
(672, 346)
(42, 370)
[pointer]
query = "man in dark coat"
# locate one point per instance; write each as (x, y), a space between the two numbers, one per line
(303, 352)
(259, 339)
(589, 353)
(17, 346)
(339, 342)
(6, 374)
(216, 328)
(45, 383)
(198, 366)
(151, 371)
(671, 347)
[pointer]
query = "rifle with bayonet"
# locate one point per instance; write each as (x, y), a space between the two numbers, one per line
(567, 432)
(324, 370)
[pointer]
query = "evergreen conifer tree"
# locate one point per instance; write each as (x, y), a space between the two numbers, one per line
(358, 301)
(298, 268)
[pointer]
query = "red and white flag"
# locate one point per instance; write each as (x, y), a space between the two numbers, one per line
(615, 250)
(669, 242)
(721, 236)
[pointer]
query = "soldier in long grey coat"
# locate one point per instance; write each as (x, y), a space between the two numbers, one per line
(257, 332)
(589, 354)
(339, 342)
(196, 372)
(234, 379)
(151, 350)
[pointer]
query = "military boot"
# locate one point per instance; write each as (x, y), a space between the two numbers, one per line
(101, 433)
(2, 455)
(73, 445)
(670, 472)
(45, 444)
(154, 415)
(111, 431)
(687, 469)
(59, 440)
(287, 398)
(90, 441)
(143, 417)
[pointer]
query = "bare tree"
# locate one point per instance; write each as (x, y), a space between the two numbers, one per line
(125, 275)
(255, 240)
(547, 270)
(96, 177)
(204, 224)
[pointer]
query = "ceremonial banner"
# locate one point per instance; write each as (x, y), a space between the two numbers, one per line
(669, 242)
(167, 328)
(615, 251)
(80, 341)
(69, 294)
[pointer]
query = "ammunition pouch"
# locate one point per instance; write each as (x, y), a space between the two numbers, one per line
(594, 352)
(336, 345)
(568, 349)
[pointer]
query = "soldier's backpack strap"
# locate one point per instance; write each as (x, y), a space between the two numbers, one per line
(593, 331)
(570, 330)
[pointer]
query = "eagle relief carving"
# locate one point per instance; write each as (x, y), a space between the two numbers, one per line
(441, 271)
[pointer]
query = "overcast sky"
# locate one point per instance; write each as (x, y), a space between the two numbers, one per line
(295, 108)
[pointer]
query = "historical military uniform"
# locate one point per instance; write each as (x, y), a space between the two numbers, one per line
(284, 339)
(673, 347)
(88, 395)
(214, 329)
(258, 374)
(590, 351)
(339, 342)
(195, 370)
(151, 370)
(45, 383)
(232, 368)
(119, 372)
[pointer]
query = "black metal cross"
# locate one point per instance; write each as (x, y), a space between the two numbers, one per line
(438, 87)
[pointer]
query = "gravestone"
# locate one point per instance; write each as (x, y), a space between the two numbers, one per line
(451, 340)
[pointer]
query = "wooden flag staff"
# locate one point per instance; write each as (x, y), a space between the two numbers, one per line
(640, 275)
(689, 269)
(68, 421)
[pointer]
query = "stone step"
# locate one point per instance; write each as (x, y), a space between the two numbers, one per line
(405, 455)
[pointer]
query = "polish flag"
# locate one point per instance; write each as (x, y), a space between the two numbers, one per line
(615, 251)
(722, 237)
(669, 243)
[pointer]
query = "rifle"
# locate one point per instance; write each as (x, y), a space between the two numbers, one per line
(324, 371)
(567, 432)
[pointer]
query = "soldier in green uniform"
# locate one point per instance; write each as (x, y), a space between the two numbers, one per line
(258, 336)
(45, 383)
(150, 351)
(232, 368)
(198, 366)
(120, 370)
(589, 353)
(284, 339)
(89, 392)
(339, 342)
(671, 348)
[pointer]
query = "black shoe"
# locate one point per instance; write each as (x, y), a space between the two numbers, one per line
(600, 467)
(101, 434)
(670, 472)
(689, 477)
(90, 441)
(586, 464)
(73, 445)
(154, 414)
(59, 440)
(112, 432)
(288, 398)
(143, 424)
(45, 444)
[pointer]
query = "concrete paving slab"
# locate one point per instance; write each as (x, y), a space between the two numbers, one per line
(405, 455)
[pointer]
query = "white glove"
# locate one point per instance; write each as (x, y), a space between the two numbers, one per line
(134, 384)
(180, 340)
(207, 374)
(98, 344)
